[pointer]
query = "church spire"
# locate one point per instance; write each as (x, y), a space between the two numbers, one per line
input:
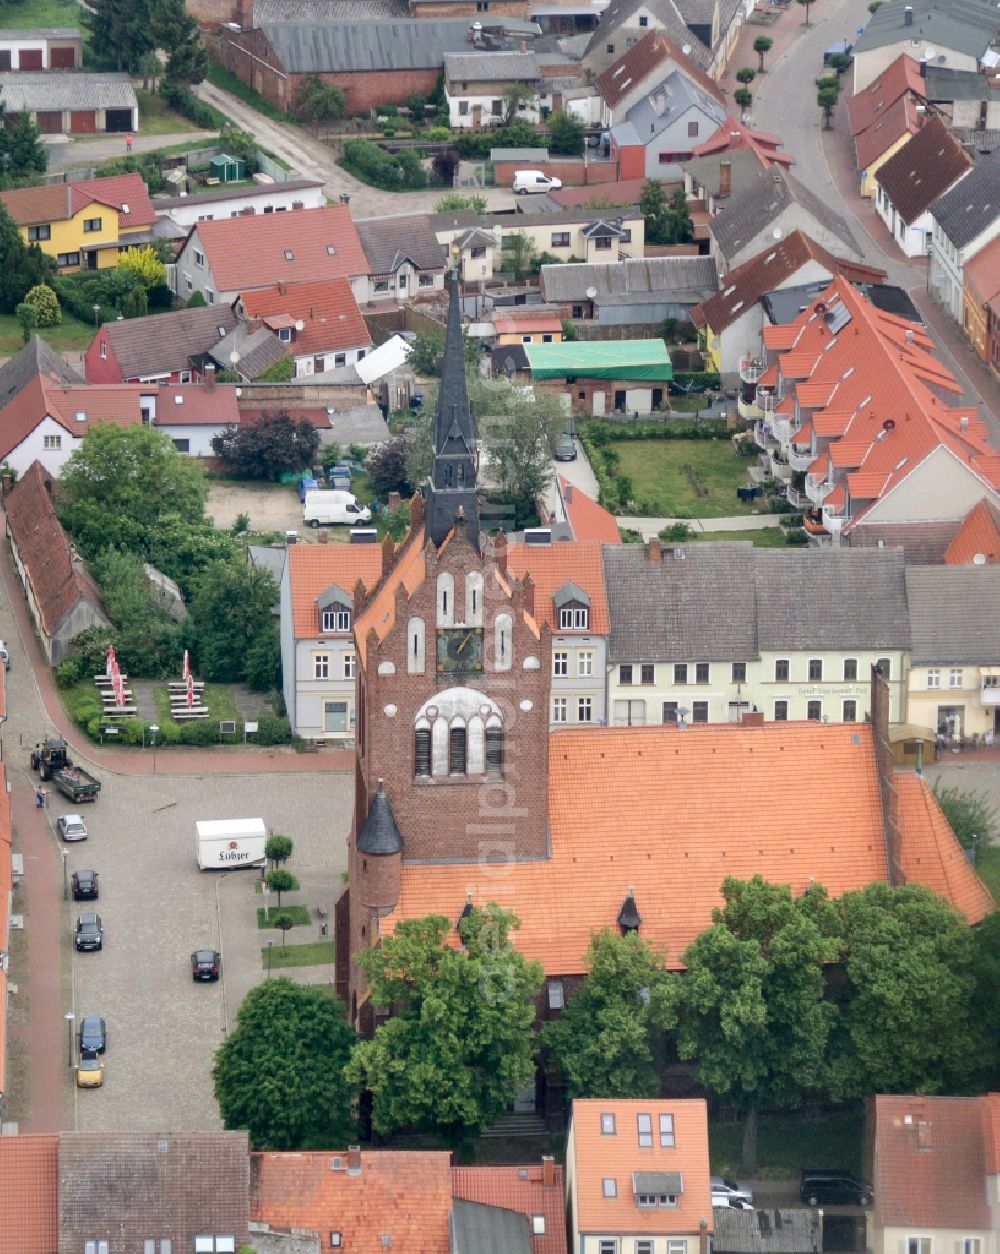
(452, 485)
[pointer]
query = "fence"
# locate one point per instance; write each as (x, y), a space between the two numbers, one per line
(267, 165)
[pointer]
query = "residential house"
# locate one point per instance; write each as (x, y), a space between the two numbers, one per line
(569, 597)
(981, 293)
(708, 634)
(637, 1175)
(63, 598)
(601, 376)
(85, 224)
(954, 676)
(45, 48)
(730, 321)
(625, 22)
(641, 69)
(713, 180)
(29, 1176)
(227, 258)
(405, 258)
(978, 538)
(534, 1191)
(161, 348)
(320, 323)
(581, 514)
(70, 103)
(770, 209)
(935, 1171)
(955, 36)
(963, 221)
(655, 137)
(884, 115)
(249, 353)
(374, 62)
(528, 329)
(235, 202)
(159, 1191)
(911, 180)
(318, 653)
(868, 426)
(46, 408)
(969, 98)
(632, 291)
(354, 1199)
(734, 135)
(478, 88)
(192, 415)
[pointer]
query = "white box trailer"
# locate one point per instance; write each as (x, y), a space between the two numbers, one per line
(227, 844)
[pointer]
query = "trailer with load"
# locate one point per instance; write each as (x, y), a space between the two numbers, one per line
(50, 758)
(227, 844)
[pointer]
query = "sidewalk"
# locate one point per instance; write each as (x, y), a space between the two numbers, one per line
(649, 528)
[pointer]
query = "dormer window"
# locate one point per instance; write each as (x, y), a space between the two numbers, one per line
(336, 619)
(289, 255)
(573, 607)
(285, 335)
(334, 608)
(661, 1189)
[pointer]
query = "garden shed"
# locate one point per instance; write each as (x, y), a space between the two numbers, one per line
(228, 169)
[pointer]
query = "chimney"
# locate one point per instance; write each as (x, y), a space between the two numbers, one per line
(725, 178)
(393, 503)
(654, 550)
(752, 718)
(282, 287)
(908, 15)
(210, 375)
(418, 511)
(548, 1171)
(354, 1160)
(703, 1236)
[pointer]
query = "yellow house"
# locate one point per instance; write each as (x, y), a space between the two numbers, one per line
(527, 329)
(84, 225)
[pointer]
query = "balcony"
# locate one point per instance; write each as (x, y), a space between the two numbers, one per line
(817, 492)
(751, 368)
(834, 517)
(796, 498)
(799, 459)
(763, 436)
(990, 691)
(782, 427)
(778, 466)
(765, 401)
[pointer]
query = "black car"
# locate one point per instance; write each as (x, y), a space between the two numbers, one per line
(206, 964)
(823, 1186)
(89, 932)
(93, 1036)
(85, 886)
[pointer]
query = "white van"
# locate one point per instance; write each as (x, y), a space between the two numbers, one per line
(534, 181)
(226, 844)
(323, 509)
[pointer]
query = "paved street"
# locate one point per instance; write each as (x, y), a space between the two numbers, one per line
(64, 156)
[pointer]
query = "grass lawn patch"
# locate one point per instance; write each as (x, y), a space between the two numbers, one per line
(219, 698)
(988, 869)
(789, 1142)
(761, 538)
(219, 76)
(664, 488)
(157, 118)
(312, 954)
(71, 335)
(299, 913)
(29, 14)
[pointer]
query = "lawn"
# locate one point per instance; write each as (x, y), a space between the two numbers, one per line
(761, 538)
(312, 954)
(662, 487)
(789, 1142)
(988, 868)
(71, 335)
(299, 913)
(157, 118)
(219, 698)
(219, 76)
(29, 14)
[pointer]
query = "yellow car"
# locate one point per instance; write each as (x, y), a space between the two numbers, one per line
(89, 1073)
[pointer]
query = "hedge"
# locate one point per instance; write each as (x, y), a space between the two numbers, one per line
(703, 379)
(399, 171)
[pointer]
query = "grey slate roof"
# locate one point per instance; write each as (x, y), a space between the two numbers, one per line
(165, 342)
(35, 358)
(315, 48)
(798, 1231)
(745, 168)
(258, 350)
(327, 10)
(731, 602)
(966, 26)
(162, 203)
(967, 208)
(28, 91)
(622, 14)
(752, 210)
(674, 97)
(954, 612)
(942, 85)
(380, 835)
(491, 67)
(388, 242)
(622, 282)
(42, 32)
(479, 1229)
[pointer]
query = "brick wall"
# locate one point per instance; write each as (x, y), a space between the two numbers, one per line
(211, 14)
(255, 396)
(251, 58)
(572, 171)
(369, 89)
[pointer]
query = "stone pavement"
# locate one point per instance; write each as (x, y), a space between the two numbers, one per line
(74, 153)
(650, 527)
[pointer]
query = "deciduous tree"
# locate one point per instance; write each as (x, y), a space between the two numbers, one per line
(386, 468)
(120, 29)
(514, 96)
(566, 134)
(45, 303)
(762, 46)
(22, 267)
(318, 101)
(459, 1046)
(282, 881)
(230, 616)
(274, 445)
(827, 98)
(280, 1073)
(278, 848)
(971, 814)
(519, 427)
(144, 264)
(806, 5)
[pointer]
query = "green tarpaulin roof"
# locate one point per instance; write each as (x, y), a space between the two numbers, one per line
(646, 360)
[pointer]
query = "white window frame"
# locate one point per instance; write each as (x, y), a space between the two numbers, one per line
(557, 995)
(956, 677)
(584, 707)
(560, 663)
(350, 665)
(922, 1244)
(52, 443)
(668, 1134)
(335, 620)
(321, 666)
(574, 618)
(560, 710)
(933, 678)
(585, 664)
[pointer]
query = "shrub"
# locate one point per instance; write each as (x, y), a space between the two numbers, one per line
(393, 171)
(202, 733)
(273, 731)
(797, 537)
(188, 105)
(437, 134)
(45, 303)
(69, 672)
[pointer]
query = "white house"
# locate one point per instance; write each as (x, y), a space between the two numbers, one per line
(963, 221)
(192, 414)
(912, 179)
(475, 84)
(237, 202)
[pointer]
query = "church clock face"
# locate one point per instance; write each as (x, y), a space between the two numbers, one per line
(459, 650)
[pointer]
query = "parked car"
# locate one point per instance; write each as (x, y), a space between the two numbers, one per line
(85, 886)
(89, 931)
(89, 1073)
(71, 827)
(534, 181)
(725, 1186)
(827, 1186)
(4, 655)
(734, 1203)
(206, 964)
(565, 449)
(93, 1036)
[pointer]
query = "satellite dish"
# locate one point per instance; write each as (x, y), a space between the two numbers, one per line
(591, 293)
(930, 54)
(979, 559)
(777, 232)
(686, 50)
(300, 325)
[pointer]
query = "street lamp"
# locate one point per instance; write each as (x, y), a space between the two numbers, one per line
(97, 310)
(65, 858)
(153, 729)
(70, 1016)
(270, 945)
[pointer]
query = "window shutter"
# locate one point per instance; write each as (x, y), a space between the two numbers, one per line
(494, 750)
(422, 752)
(456, 751)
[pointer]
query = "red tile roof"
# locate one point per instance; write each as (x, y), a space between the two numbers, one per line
(44, 397)
(598, 1156)
(61, 201)
(552, 566)
(408, 571)
(318, 418)
(246, 253)
(899, 119)
(991, 1124)
(520, 1189)
(588, 520)
(313, 568)
(328, 309)
(982, 272)
(924, 167)
(650, 60)
(744, 812)
(29, 1194)
(979, 533)
(625, 192)
(898, 79)
(201, 405)
(931, 1161)
(405, 1196)
(732, 135)
(525, 324)
(767, 271)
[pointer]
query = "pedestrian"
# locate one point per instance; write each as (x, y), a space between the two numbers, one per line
(40, 798)
(128, 143)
